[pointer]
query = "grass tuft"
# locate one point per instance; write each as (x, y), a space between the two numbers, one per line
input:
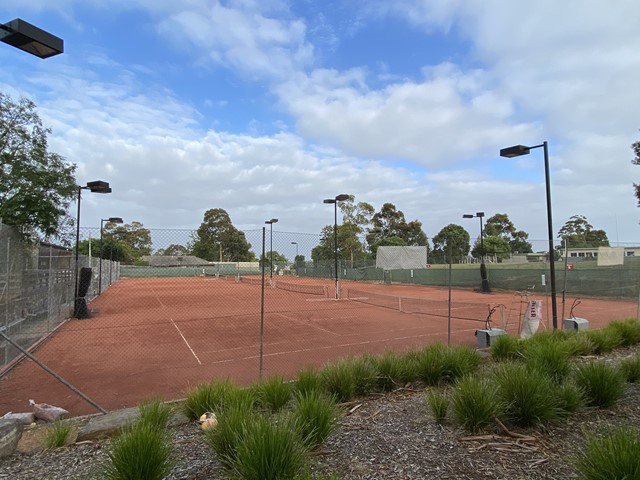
(309, 380)
(602, 384)
(474, 403)
(316, 416)
(225, 437)
(604, 340)
(551, 358)
(394, 370)
(155, 413)
(506, 348)
(630, 368)
(613, 457)
(439, 404)
(628, 330)
(58, 434)
(338, 380)
(273, 393)
(215, 396)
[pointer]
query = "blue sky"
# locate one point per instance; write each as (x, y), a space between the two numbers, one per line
(265, 108)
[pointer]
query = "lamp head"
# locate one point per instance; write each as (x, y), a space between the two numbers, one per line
(467, 215)
(31, 39)
(328, 200)
(514, 151)
(98, 186)
(480, 214)
(342, 197)
(114, 220)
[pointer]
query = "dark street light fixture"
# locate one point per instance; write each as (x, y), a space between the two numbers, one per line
(271, 222)
(31, 39)
(339, 198)
(516, 151)
(483, 268)
(296, 244)
(102, 220)
(97, 186)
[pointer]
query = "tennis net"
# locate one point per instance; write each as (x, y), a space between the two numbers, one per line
(254, 280)
(303, 288)
(436, 308)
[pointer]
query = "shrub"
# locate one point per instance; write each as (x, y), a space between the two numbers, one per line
(526, 396)
(393, 371)
(364, 374)
(338, 380)
(140, 452)
(439, 404)
(579, 344)
(506, 348)
(155, 413)
(630, 368)
(268, 450)
(628, 330)
(212, 397)
(58, 434)
(309, 379)
(225, 437)
(431, 364)
(570, 398)
(316, 416)
(461, 361)
(614, 457)
(273, 393)
(604, 340)
(474, 403)
(551, 358)
(602, 384)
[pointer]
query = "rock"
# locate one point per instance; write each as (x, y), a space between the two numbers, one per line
(26, 418)
(106, 425)
(10, 433)
(49, 413)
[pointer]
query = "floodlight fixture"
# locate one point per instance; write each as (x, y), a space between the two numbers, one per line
(31, 39)
(271, 222)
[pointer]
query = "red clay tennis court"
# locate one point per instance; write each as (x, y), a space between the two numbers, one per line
(157, 337)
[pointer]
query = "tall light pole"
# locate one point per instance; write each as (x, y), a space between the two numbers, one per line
(516, 151)
(97, 186)
(339, 198)
(102, 220)
(483, 268)
(271, 222)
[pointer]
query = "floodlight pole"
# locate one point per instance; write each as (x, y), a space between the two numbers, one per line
(97, 186)
(262, 307)
(516, 151)
(483, 268)
(271, 222)
(339, 198)
(102, 220)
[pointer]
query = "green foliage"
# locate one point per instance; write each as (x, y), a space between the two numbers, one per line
(364, 374)
(570, 398)
(551, 358)
(274, 393)
(215, 397)
(439, 404)
(630, 368)
(58, 434)
(349, 245)
(628, 330)
(579, 344)
(390, 222)
(133, 237)
(506, 348)
(452, 237)
(37, 186)
(338, 380)
(226, 436)
(526, 397)
(215, 231)
(461, 361)
(474, 403)
(613, 457)
(499, 225)
(577, 232)
(493, 245)
(140, 452)
(393, 370)
(602, 384)
(604, 340)
(439, 363)
(309, 380)
(316, 416)
(155, 413)
(268, 450)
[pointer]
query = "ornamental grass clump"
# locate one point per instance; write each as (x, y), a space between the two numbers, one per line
(628, 331)
(268, 449)
(551, 358)
(225, 437)
(364, 374)
(526, 396)
(394, 370)
(273, 393)
(431, 364)
(630, 368)
(140, 452)
(506, 348)
(214, 396)
(474, 403)
(316, 416)
(580, 344)
(612, 457)
(602, 384)
(439, 405)
(58, 434)
(604, 340)
(155, 413)
(338, 380)
(461, 361)
(309, 379)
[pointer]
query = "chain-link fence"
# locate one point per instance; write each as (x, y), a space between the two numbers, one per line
(162, 323)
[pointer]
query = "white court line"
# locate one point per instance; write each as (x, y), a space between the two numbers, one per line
(178, 329)
(307, 323)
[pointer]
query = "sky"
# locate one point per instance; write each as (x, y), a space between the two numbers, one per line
(266, 107)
